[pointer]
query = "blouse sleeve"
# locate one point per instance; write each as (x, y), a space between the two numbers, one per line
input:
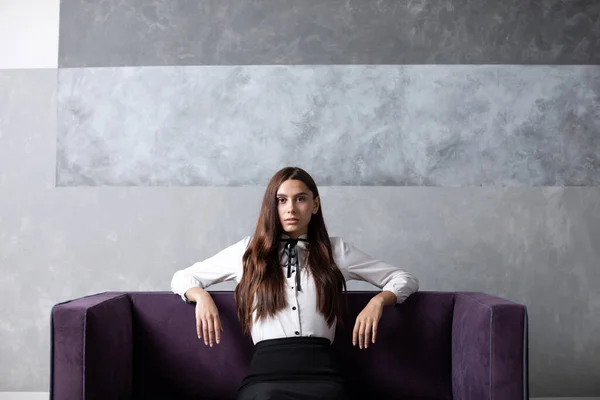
(356, 265)
(224, 266)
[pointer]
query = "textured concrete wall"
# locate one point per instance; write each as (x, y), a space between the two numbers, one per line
(433, 125)
(127, 162)
(234, 32)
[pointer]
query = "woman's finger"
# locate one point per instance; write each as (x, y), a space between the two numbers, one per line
(205, 330)
(355, 332)
(211, 331)
(375, 330)
(361, 335)
(199, 327)
(367, 337)
(218, 329)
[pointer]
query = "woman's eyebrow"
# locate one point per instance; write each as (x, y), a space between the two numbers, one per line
(285, 195)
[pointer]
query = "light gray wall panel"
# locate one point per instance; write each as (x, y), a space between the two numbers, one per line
(537, 246)
(351, 125)
(27, 282)
(245, 32)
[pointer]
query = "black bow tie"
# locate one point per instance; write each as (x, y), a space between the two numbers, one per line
(292, 255)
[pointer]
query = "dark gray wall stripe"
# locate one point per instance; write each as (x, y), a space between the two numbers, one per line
(242, 32)
(350, 125)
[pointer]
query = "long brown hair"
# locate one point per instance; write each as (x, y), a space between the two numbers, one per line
(261, 288)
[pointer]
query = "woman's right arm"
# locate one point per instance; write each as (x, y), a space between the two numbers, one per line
(190, 284)
(223, 266)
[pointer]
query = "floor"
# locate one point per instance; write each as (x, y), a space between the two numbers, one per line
(44, 396)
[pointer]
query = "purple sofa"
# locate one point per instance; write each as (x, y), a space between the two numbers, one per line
(143, 345)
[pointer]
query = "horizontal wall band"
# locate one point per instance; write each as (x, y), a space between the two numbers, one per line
(348, 125)
(315, 32)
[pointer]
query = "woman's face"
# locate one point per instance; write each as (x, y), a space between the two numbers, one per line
(295, 205)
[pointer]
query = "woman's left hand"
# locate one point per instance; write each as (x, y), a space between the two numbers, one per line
(365, 328)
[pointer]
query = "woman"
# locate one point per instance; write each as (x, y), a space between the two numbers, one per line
(290, 281)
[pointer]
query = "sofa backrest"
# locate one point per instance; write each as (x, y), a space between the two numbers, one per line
(411, 358)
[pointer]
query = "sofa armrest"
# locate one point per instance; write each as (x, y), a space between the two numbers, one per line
(489, 348)
(91, 348)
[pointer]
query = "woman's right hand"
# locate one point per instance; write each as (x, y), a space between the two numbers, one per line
(208, 323)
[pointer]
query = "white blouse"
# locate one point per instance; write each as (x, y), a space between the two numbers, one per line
(301, 317)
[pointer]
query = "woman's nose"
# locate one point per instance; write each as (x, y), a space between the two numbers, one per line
(291, 207)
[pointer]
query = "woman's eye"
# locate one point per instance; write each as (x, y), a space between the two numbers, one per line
(281, 200)
(301, 198)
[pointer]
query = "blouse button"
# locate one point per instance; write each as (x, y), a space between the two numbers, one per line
(293, 308)
(297, 333)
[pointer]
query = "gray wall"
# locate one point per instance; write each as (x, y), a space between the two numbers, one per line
(474, 177)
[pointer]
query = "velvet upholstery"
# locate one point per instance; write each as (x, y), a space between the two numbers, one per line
(143, 345)
(92, 348)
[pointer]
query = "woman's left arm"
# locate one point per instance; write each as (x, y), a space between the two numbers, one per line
(396, 284)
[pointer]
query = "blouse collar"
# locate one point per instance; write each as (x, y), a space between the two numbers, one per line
(302, 240)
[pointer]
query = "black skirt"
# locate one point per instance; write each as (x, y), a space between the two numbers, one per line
(300, 368)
